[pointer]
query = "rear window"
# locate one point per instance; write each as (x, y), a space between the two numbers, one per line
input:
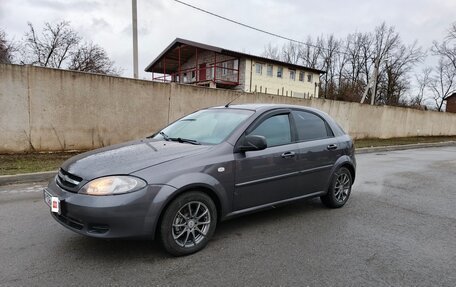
(311, 127)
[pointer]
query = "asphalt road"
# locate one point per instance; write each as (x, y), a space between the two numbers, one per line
(398, 229)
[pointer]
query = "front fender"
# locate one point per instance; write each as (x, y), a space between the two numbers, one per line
(197, 180)
(180, 184)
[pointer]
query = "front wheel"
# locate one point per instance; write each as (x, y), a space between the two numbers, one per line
(339, 189)
(188, 223)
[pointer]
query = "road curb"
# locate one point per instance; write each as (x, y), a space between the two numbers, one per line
(45, 176)
(403, 147)
(27, 177)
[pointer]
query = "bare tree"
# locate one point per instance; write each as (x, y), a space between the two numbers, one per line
(443, 83)
(452, 32)
(92, 58)
(52, 47)
(353, 74)
(330, 53)
(395, 80)
(447, 48)
(310, 53)
(59, 46)
(7, 49)
(290, 53)
(348, 64)
(271, 52)
(423, 80)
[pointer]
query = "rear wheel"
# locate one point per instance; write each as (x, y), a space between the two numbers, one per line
(188, 223)
(339, 189)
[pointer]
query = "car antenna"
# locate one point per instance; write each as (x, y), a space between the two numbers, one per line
(229, 103)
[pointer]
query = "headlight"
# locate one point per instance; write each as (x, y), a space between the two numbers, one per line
(110, 185)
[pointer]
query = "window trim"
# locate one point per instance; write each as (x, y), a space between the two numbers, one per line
(261, 68)
(328, 126)
(264, 116)
(292, 72)
(272, 70)
(280, 68)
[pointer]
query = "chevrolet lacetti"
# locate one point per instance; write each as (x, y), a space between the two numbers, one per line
(209, 166)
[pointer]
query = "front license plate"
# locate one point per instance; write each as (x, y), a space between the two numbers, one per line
(52, 201)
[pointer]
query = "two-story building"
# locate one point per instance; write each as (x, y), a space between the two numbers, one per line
(189, 62)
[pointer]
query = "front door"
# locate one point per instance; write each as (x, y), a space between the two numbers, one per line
(202, 72)
(268, 175)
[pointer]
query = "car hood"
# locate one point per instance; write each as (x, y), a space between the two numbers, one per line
(128, 157)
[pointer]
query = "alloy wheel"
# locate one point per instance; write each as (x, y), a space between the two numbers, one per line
(342, 187)
(191, 224)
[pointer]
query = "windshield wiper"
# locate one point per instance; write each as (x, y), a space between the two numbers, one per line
(181, 140)
(165, 136)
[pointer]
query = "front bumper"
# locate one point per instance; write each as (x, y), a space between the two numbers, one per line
(129, 215)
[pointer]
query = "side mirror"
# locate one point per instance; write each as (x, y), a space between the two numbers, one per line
(253, 142)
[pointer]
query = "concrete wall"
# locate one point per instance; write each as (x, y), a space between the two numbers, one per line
(48, 109)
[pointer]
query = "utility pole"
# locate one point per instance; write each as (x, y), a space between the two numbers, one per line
(372, 84)
(135, 37)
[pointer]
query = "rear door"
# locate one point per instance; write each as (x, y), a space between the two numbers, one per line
(268, 175)
(318, 151)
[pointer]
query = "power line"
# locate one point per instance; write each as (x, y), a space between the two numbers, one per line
(256, 29)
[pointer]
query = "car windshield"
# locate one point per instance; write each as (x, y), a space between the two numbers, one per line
(210, 126)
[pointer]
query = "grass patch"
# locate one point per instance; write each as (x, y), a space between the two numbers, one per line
(36, 162)
(32, 162)
(401, 141)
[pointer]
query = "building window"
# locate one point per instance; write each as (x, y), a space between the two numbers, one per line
(269, 70)
(210, 71)
(259, 68)
(193, 75)
(301, 76)
(235, 66)
(309, 78)
(224, 68)
(279, 72)
(292, 75)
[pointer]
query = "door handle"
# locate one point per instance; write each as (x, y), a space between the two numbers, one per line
(288, 154)
(331, 147)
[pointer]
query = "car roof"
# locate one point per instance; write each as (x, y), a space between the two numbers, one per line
(260, 107)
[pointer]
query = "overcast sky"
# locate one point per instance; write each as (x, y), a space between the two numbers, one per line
(108, 22)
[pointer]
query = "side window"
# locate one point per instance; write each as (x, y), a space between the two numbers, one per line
(275, 129)
(311, 127)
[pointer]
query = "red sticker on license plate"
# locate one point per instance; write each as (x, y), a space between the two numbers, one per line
(55, 204)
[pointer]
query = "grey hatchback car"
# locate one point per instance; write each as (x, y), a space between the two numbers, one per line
(209, 166)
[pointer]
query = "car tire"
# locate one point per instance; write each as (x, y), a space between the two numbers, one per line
(339, 189)
(188, 223)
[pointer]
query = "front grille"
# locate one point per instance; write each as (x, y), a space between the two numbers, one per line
(68, 181)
